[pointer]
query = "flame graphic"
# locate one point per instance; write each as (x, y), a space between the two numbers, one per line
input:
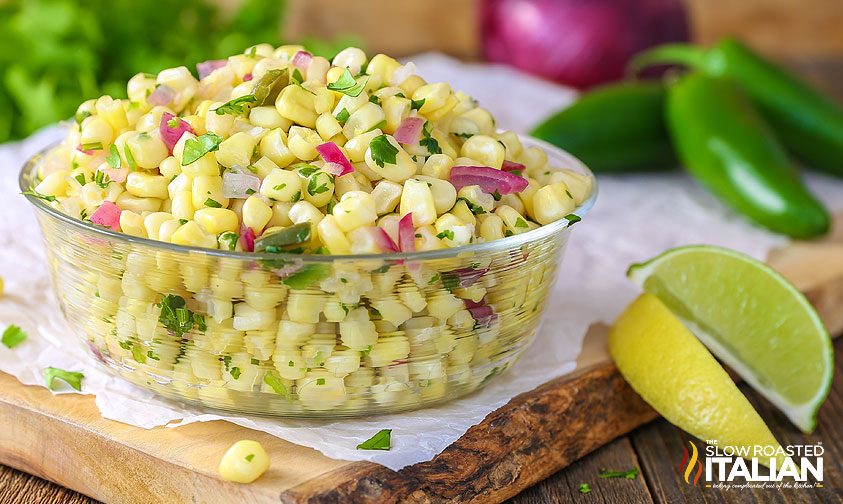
(686, 467)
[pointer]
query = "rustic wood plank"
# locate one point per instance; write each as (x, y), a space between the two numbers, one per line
(659, 449)
(564, 485)
(18, 487)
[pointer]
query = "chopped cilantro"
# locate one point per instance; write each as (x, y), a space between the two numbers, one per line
(380, 441)
(463, 135)
(296, 196)
(237, 106)
(366, 351)
(80, 177)
(343, 116)
(129, 157)
(229, 239)
(36, 194)
(307, 170)
(497, 195)
(446, 234)
(255, 362)
(250, 457)
(276, 384)
(573, 219)
(235, 372)
(417, 104)
(383, 151)
(297, 77)
(584, 488)
(82, 115)
(320, 381)
(195, 148)
(381, 125)
(250, 191)
(212, 203)
(113, 157)
(101, 179)
(629, 474)
(279, 187)
(346, 84)
(174, 122)
(313, 189)
(72, 378)
(520, 223)
(13, 336)
(176, 317)
(291, 364)
(374, 99)
(428, 142)
(91, 146)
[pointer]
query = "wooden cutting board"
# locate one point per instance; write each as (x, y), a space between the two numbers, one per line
(64, 439)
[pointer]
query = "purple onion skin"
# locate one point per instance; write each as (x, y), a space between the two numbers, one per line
(581, 43)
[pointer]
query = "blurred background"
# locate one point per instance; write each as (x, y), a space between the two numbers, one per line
(56, 53)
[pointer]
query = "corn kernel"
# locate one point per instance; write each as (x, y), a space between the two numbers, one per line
(256, 213)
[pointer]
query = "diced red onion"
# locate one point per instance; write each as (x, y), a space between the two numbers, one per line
(466, 276)
(335, 169)
(402, 73)
(384, 241)
(108, 215)
(489, 179)
(409, 131)
(484, 315)
(162, 95)
(87, 152)
(302, 60)
(207, 67)
(511, 166)
(248, 77)
(116, 175)
(169, 135)
(240, 185)
(247, 239)
(407, 234)
(332, 154)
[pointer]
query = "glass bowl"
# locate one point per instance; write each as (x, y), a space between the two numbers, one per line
(302, 335)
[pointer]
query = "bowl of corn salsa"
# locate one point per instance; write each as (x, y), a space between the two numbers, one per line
(277, 233)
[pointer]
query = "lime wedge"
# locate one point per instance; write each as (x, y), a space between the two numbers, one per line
(752, 319)
(680, 379)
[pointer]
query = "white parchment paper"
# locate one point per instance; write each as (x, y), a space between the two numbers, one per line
(636, 217)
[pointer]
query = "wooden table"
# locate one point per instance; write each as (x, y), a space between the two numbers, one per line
(655, 449)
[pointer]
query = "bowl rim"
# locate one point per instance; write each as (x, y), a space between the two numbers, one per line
(448, 253)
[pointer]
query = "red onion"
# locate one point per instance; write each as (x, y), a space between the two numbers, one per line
(207, 67)
(162, 96)
(407, 234)
(240, 185)
(247, 239)
(302, 60)
(87, 152)
(108, 215)
(170, 135)
(575, 42)
(330, 153)
(384, 241)
(333, 168)
(248, 77)
(511, 166)
(489, 179)
(465, 277)
(409, 131)
(116, 175)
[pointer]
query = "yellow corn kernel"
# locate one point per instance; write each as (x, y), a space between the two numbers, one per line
(280, 214)
(95, 130)
(426, 239)
(244, 462)
(153, 221)
(395, 110)
(403, 168)
(382, 66)
(411, 84)
(297, 105)
(304, 211)
(192, 234)
(256, 213)
(462, 211)
(132, 223)
(268, 117)
(182, 82)
(478, 199)
(318, 188)
(355, 209)
(452, 231)
(512, 142)
(356, 147)
(139, 87)
(148, 150)
(526, 196)
(438, 166)
(434, 95)
(217, 220)
(334, 74)
(578, 184)
(274, 146)
(352, 58)
(491, 227)
(477, 121)
(169, 168)
(364, 241)
(416, 198)
(112, 111)
(515, 222)
(551, 203)
(54, 184)
(442, 111)
(486, 150)
(443, 304)
(167, 229)
(236, 150)
(444, 193)
(302, 142)
(183, 182)
(327, 126)
(182, 205)
(534, 159)
(363, 119)
(332, 236)
(127, 201)
(286, 52)
(221, 125)
(386, 195)
(207, 191)
(146, 185)
(323, 101)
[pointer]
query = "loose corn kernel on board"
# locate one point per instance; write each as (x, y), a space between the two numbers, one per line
(64, 439)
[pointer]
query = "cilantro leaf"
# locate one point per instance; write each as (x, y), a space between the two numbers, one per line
(195, 148)
(13, 336)
(346, 84)
(417, 104)
(584, 488)
(213, 203)
(113, 157)
(449, 234)
(276, 384)
(250, 457)
(176, 317)
(380, 441)
(72, 378)
(573, 219)
(237, 106)
(383, 151)
(91, 146)
(520, 223)
(343, 116)
(36, 194)
(629, 474)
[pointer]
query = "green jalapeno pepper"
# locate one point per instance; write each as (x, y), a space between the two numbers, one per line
(808, 124)
(725, 144)
(614, 128)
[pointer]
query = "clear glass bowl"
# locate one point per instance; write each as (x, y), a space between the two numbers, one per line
(302, 335)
